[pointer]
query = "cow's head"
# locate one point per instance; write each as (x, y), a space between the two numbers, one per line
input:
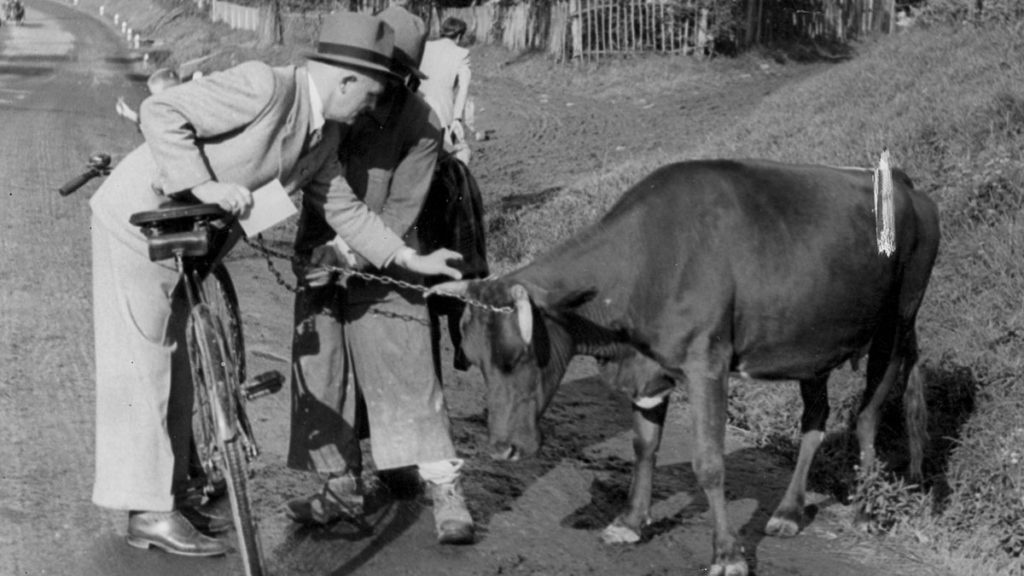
(522, 353)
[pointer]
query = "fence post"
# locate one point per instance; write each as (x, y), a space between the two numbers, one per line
(575, 21)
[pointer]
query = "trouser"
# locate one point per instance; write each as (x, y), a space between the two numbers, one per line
(362, 365)
(143, 382)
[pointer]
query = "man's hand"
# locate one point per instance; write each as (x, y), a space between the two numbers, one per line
(458, 131)
(125, 111)
(232, 198)
(433, 264)
(321, 263)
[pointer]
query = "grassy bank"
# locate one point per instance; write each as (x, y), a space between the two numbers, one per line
(948, 101)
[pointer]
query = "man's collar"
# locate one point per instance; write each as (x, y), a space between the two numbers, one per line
(316, 106)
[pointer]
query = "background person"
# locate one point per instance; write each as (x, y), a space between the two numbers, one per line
(215, 141)
(362, 356)
(446, 87)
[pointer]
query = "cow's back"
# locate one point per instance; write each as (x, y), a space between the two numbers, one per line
(779, 260)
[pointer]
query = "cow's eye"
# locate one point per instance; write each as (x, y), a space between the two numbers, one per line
(511, 358)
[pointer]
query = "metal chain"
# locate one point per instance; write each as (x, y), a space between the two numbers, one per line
(268, 253)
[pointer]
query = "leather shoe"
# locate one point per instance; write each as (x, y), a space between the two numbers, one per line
(172, 533)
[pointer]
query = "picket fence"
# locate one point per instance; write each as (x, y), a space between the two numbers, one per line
(591, 29)
(238, 17)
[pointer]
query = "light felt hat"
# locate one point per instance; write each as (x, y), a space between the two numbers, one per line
(410, 39)
(354, 39)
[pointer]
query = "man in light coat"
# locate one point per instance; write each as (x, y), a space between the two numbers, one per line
(215, 140)
(446, 87)
(371, 342)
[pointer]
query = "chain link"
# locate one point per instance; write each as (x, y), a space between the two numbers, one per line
(270, 253)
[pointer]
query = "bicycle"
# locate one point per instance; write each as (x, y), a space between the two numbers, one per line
(196, 236)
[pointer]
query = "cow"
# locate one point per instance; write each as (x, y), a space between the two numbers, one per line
(702, 270)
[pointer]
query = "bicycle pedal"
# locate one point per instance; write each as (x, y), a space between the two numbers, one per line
(263, 384)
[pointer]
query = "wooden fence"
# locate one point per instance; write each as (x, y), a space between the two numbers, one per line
(841, 20)
(590, 29)
(238, 17)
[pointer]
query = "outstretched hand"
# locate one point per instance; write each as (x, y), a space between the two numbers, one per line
(434, 264)
(125, 111)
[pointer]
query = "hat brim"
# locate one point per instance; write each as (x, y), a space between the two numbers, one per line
(336, 60)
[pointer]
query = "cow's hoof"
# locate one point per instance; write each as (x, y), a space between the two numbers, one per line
(731, 569)
(782, 527)
(619, 533)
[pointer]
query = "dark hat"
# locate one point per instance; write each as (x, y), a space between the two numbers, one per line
(410, 39)
(354, 39)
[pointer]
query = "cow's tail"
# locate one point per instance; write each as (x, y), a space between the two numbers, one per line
(915, 410)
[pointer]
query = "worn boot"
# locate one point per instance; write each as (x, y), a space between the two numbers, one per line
(451, 517)
(340, 499)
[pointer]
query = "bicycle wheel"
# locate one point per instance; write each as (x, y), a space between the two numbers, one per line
(217, 382)
(220, 295)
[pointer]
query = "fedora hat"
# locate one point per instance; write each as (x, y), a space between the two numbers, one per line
(410, 39)
(354, 39)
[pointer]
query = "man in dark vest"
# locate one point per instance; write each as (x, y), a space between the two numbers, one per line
(362, 355)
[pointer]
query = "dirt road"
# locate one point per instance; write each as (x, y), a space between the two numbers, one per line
(59, 77)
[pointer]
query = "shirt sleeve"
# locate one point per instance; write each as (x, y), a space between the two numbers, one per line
(352, 220)
(175, 121)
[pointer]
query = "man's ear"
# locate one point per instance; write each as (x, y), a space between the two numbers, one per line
(346, 82)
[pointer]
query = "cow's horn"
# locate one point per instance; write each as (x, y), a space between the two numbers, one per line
(524, 315)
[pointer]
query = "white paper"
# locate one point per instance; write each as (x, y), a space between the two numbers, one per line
(270, 206)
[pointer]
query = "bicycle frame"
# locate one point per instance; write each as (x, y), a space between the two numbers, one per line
(224, 436)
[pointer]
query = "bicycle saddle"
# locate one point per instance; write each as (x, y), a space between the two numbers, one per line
(175, 210)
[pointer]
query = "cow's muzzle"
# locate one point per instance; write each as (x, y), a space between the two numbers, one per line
(505, 451)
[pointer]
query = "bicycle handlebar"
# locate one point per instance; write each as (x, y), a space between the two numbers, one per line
(99, 165)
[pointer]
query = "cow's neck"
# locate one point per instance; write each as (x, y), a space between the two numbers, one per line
(593, 329)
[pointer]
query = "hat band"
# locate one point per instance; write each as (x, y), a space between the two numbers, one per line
(332, 49)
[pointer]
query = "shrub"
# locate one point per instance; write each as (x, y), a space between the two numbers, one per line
(887, 500)
(990, 11)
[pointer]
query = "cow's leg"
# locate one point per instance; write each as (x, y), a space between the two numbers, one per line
(707, 403)
(883, 369)
(789, 516)
(648, 424)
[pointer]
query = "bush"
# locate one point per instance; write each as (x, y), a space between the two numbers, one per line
(990, 11)
(887, 500)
